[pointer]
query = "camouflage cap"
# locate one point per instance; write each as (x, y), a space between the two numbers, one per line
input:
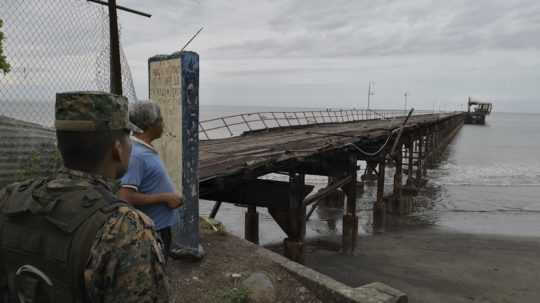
(92, 111)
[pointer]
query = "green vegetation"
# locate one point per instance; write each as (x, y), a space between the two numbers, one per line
(234, 295)
(4, 65)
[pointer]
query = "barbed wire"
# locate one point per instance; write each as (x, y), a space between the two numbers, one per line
(54, 46)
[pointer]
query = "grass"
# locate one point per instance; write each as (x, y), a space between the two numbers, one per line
(234, 295)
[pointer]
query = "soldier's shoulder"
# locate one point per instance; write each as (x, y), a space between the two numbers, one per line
(16, 187)
(126, 224)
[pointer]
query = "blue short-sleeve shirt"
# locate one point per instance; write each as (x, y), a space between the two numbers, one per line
(146, 174)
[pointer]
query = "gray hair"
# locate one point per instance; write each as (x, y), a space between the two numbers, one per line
(144, 114)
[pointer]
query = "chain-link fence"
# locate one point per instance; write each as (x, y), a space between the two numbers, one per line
(54, 46)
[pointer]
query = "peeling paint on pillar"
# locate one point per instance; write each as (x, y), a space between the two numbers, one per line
(175, 78)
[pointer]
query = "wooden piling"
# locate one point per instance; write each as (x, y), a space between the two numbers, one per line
(419, 161)
(350, 219)
(410, 147)
(398, 179)
(379, 210)
(294, 243)
(251, 229)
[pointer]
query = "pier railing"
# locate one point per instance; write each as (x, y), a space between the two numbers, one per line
(234, 125)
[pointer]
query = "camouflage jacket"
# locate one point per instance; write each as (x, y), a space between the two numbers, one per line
(126, 263)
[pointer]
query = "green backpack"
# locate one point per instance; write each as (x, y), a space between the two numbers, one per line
(45, 239)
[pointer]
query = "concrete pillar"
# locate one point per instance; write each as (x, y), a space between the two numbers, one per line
(350, 219)
(379, 210)
(294, 244)
(251, 227)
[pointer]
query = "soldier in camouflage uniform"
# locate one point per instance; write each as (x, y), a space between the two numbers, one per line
(67, 238)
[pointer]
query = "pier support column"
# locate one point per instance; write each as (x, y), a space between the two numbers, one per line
(379, 209)
(350, 219)
(429, 151)
(294, 243)
(370, 174)
(419, 161)
(410, 163)
(426, 154)
(251, 228)
(437, 142)
(398, 179)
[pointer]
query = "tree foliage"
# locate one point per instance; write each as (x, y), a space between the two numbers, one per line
(4, 65)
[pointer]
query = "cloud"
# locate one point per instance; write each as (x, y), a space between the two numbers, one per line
(303, 53)
(368, 28)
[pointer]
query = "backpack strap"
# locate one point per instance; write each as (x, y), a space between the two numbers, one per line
(86, 236)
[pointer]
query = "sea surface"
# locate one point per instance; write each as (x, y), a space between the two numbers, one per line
(487, 182)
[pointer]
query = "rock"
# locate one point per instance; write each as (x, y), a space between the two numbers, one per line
(260, 288)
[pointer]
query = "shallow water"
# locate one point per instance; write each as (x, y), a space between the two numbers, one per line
(488, 181)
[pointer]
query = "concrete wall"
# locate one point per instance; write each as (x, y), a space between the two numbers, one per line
(25, 149)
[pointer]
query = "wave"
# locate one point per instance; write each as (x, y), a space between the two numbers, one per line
(503, 210)
(491, 184)
(498, 175)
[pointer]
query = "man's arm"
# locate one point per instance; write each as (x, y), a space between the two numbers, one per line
(126, 262)
(128, 194)
(132, 180)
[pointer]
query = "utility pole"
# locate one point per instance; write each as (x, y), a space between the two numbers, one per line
(115, 63)
(370, 93)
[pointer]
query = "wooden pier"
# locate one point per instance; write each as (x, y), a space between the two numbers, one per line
(230, 168)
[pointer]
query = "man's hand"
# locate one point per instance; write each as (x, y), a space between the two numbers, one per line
(173, 200)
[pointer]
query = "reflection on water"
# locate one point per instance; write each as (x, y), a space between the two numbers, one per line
(488, 181)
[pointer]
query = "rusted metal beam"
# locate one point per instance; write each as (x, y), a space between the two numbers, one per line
(325, 192)
(258, 192)
(123, 8)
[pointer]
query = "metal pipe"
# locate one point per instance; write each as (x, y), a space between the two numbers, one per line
(116, 67)
(215, 209)
(123, 8)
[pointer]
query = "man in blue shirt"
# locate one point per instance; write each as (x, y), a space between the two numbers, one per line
(146, 185)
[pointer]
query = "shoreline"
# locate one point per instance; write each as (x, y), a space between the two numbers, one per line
(440, 265)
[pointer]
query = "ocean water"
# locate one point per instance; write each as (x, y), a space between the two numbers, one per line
(487, 181)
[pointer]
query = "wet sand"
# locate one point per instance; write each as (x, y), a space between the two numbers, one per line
(437, 265)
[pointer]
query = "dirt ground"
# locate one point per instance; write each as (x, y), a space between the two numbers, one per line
(435, 265)
(218, 277)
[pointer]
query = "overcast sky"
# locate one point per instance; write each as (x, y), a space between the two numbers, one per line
(321, 53)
